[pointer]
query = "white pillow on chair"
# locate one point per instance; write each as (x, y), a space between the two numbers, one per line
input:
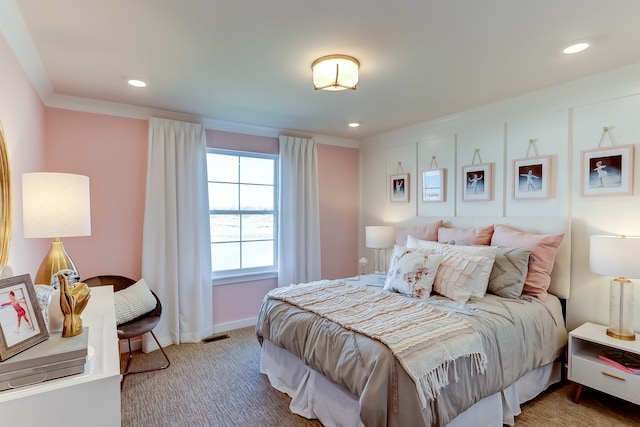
(133, 301)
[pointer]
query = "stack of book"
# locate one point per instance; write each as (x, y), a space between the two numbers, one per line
(628, 362)
(54, 358)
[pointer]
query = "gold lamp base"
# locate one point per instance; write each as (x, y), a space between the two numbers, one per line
(57, 259)
(621, 335)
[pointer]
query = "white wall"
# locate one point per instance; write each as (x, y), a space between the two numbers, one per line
(563, 121)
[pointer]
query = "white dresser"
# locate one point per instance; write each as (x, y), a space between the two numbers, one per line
(89, 399)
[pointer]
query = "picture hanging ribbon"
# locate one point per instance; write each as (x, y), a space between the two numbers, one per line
(606, 131)
(532, 143)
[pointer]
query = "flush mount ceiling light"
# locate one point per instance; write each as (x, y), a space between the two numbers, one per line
(575, 48)
(335, 72)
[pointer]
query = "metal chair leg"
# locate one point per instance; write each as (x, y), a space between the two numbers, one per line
(165, 366)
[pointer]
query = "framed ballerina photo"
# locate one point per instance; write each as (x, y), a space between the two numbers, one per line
(399, 187)
(607, 171)
(477, 182)
(532, 178)
(21, 321)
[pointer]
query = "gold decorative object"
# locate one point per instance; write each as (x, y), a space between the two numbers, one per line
(5, 200)
(73, 300)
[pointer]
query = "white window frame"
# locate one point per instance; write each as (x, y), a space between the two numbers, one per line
(246, 274)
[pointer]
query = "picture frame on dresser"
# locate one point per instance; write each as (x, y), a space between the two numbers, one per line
(607, 171)
(21, 321)
(532, 178)
(477, 182)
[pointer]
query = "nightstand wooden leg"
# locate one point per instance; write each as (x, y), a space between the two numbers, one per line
(578, 393)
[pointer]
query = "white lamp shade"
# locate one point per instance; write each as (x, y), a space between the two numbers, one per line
(56, 205)
(379, 236)
(335, 72)
(615, 256)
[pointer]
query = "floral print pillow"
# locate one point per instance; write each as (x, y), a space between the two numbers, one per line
(412, 271)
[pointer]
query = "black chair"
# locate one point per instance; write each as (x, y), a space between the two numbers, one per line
(136, 327)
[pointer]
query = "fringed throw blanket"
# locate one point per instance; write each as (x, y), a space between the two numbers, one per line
(425, 340)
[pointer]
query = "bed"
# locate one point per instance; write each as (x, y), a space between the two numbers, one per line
(474, 365)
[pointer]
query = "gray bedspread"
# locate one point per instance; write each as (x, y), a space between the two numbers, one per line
(517, 336)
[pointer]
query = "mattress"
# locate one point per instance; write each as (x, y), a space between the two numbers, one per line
(518, 337)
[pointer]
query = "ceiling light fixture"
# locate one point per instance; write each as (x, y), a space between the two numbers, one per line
(354, 125)
(137, 83)
(335, 72)
(575, 48)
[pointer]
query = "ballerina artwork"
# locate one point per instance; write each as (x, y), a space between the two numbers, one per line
(473, 183)
(530, 180)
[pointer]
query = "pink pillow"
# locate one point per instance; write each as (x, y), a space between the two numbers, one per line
(543, 249)
(422, 232)
(473, 236)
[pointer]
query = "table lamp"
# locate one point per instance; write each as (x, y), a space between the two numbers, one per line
(617, 256)
(379, 237)
(55, 205)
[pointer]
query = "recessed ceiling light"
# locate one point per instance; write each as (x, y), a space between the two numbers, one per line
(575, 48)
(354, 125)
(137, 83)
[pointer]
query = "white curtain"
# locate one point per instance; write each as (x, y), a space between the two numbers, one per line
(299, 242)
(176, 246)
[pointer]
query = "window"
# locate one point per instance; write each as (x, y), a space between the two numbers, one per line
(243, 200)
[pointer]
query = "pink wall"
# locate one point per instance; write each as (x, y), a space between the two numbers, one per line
(339, 206)
(112, 152)
(22, 117)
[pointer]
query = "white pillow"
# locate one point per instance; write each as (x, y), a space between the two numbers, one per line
(411, 272)
(133, 302)
(478, 286)
(425, 245)
(457, 275)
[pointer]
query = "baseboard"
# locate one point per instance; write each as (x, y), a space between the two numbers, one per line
(136, 343)
(237, 324)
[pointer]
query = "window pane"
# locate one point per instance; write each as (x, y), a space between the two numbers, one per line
(222, 167)
(223, 197)
(225, 228)
(254, 170)
(225, 256)
(256, 197)
(257, 227)
(257, 254)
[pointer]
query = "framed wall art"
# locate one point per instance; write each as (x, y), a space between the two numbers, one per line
(607, 171)
(21, 321)
(477, 182)
(433, 185)
(399, 187)
(532, 178)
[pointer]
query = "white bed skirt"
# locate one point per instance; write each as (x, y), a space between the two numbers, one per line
(315, 397)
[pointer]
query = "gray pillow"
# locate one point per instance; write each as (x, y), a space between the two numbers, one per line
(509, 272)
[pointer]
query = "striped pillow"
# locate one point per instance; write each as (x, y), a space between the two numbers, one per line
(133, 302)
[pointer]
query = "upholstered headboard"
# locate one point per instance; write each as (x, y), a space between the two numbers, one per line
(561, 274)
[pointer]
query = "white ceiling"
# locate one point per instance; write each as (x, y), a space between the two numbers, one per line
(248, 61)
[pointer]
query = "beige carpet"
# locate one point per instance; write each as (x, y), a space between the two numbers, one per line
(219, 384)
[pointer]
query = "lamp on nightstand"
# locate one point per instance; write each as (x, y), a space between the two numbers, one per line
(379, 237)
(617, 256)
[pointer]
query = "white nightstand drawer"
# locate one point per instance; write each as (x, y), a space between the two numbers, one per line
(598, 375)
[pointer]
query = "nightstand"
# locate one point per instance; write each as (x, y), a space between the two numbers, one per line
(375, 280)
(588, 342)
